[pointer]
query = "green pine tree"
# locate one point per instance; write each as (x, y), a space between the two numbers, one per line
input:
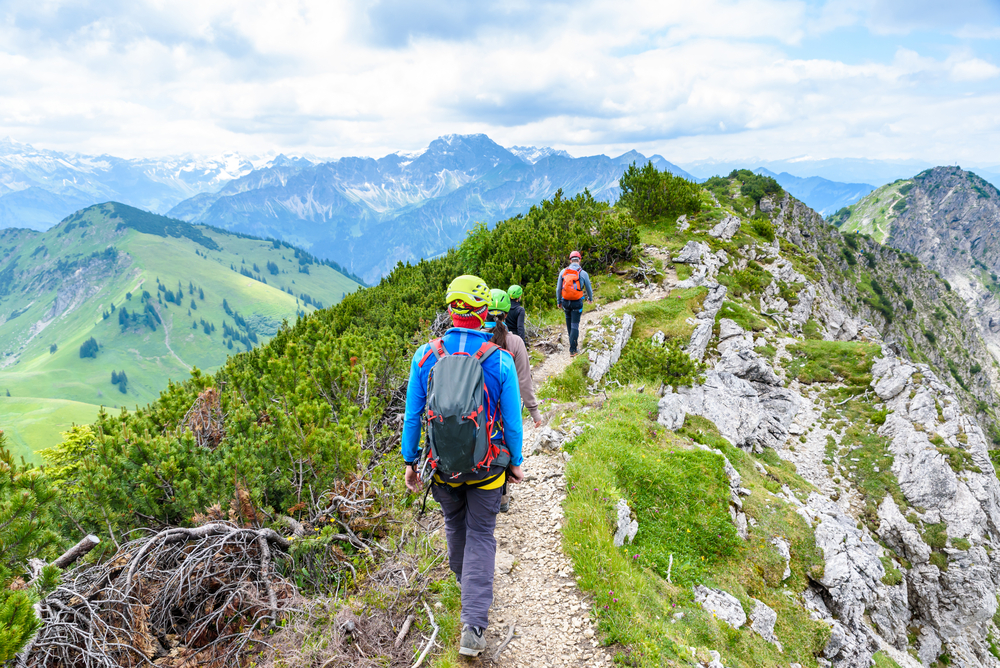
(26, 497)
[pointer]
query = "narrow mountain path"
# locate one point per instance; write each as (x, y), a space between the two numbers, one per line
(535, 585)
(166, 337)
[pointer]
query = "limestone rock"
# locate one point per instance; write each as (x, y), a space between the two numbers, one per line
(504, 562)
(672, 410)
(601, 362)
(705, 321)
(692, 252)
(722, 604)
(762, 619)
(726, 228)
(782, 546)
(627, 527)
(682, 223)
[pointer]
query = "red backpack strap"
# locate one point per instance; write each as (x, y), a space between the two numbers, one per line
(485, 350)
(435, 347)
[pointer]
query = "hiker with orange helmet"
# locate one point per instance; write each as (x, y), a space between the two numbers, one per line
(467, 389)
(572, 288)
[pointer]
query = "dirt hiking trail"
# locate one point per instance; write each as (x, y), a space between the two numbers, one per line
(535, 584)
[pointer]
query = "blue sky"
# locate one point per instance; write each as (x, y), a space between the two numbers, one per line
(714, 79)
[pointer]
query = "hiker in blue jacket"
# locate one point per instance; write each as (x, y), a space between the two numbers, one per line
(572, 287)
(470, 502)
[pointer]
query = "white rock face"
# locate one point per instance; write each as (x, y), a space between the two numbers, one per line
(726, 228)
(672, 410)
(781, 545)
(692, 252)
(705, 321)
(722, 604)
(601, 362)
(762, 620)
(627, 527)
(743, 397)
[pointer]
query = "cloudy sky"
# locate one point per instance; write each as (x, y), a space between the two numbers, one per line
(691, 80)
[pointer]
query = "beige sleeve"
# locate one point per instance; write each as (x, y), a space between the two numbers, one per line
(517, 349)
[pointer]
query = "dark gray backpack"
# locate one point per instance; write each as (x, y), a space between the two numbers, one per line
(459, 422)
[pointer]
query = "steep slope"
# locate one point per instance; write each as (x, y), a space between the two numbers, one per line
(152, 292)
(947, 217)
(368, 214)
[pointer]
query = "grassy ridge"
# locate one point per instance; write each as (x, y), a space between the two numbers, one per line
(60, 268)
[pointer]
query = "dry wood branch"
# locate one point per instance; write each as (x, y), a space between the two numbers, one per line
(88, 543)
(430, 642)
(180, 597)
(205, 419)
(403, 631)
(510, 636)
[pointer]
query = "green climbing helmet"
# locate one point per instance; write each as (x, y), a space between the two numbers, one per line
(499, 302)
(515, 292)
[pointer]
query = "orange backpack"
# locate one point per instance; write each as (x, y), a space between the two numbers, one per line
(572, 289)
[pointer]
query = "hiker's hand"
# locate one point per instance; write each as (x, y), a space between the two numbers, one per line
(413, 480)
(538, 423)
(515, 474)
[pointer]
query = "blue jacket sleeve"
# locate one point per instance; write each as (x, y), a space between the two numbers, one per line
(510, 408)
(559, 288)
(416, 400)
(585, 279)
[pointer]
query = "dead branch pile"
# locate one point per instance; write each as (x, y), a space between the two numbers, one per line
(643, 271)
(205, 419)
(176, 598)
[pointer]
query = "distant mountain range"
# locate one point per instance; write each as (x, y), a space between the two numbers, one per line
(369, 214)
(38, 188)
(156, 296)
(821, 194)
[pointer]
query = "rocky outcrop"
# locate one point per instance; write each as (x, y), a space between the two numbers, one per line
(627, 526)
(602, 361)
(721, 604)
(743, 397)
(726, 228)
(705, 321)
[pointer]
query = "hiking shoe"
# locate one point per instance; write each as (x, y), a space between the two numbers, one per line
(473, 641)
(505, 503)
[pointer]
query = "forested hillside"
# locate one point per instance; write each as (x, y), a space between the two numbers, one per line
(108, 306)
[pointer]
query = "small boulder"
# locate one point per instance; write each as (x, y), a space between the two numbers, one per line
(762, 620)
(722, 604)
(672, 410)
(692, 252)
(726, 228)
(627, 527)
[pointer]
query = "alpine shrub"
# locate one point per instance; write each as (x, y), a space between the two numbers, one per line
(650, 194)
(641, 360)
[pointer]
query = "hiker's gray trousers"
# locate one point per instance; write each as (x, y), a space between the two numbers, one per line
(470, 517)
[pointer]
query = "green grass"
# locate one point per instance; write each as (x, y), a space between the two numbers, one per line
(30, 423)
(610, 288)
(680, 496)
(742, 316)
(667, 315)
(570, 385)
(832, 361)
(883, 660)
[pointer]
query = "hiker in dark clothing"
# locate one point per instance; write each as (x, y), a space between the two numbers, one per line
(469, 500)
(515, 318)
(572, 288)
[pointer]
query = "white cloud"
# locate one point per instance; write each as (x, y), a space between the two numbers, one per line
(331, 77)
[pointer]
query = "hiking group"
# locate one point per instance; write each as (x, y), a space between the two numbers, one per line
(461, 387)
